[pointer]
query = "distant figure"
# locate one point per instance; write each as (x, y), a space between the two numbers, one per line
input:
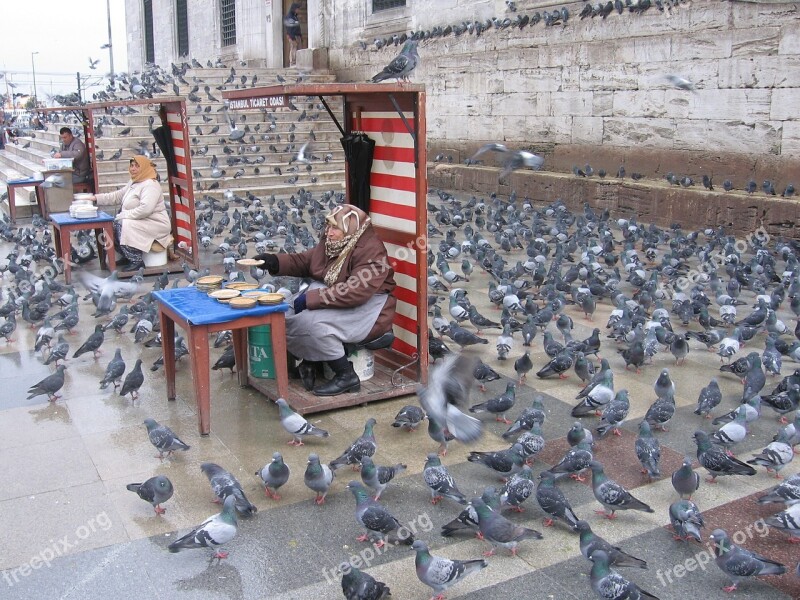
(2, 130)
(291, 23)
(72, 147)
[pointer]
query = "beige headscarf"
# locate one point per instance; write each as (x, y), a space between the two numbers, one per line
(147, 170)
(353, 222)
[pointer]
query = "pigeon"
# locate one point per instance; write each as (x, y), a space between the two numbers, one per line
(224, 484)
(365, 445)
(440, 435)
(163, 438)
(648, 451)
(612, 495)
(686, 520)
(733, 432)
(575, 461)
(600, 394)
(467, 519)
(213, 532)
(296, 425)
(533, 414)
(59, 351)
(710, 397)
(133, 381)
(49, 385)
(484, 374)
(440, 482)
(504, 462)
(381, 525)
(590, 543)
(716, 461)
(783, 402)
(155, 490)
(499, 531)
(776, 455)
(357, 585)
(114, 371)
(522, 366)
(660, 412)
(614, 414)
(498, 405)
(518, 489)
(558, 365)
(607, 583)
(92, 343)
(274, 474)
(755, 378)
(440, 573)
(408, 418)
(378, 477)
(684, 480)
(513, 160)
(448, 388)
(738, 563)
(318, 478)
(788, 492)
(752, 410)
(788, 521)
(402, 65)
(664, 386)
(553, 502)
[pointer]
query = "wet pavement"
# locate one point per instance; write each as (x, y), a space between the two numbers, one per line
(74, 531)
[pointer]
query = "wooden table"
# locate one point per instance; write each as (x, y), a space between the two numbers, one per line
(198, 315)
(13, 184)
(103, 226)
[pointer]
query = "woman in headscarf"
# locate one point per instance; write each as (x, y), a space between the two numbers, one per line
(350, 300)
(142, 218)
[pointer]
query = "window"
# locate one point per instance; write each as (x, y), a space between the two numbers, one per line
(378, 5)
(228, 19)
(183, 28)
(149, 42)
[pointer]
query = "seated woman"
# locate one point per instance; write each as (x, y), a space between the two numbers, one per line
(142, 218)
(350, 300)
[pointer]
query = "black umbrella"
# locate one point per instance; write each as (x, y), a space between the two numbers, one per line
(164, 140)
(358, 151)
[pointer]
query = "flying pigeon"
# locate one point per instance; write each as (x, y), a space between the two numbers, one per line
(448, 388)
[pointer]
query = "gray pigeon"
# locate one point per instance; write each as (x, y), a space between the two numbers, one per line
(776, 455)
(733, 432)
(382, 527)
(318, 478)
(440, 573)
(133, 381)
(498, 405)
(92, 343)
(401, 65)
(685, 481)
(363, 446)
(710, 397)
(576, 460)
(522, 366)
(533, 414)
(215, 531)
(787, 492)
(49, 385)
(590, 543)
(755, 378)
(155, 490)
(163, 438)
(59, 351)
(448, 388)
(274, 474)
(738, 563)
(553, 502)
(224, 484)
(686, 520)
(716, 461)
(614, 414)
(664, 385)
(467, 519)
(609, 584)
(296, 425)
(648, 451)
(503, 462)
(409, 417)
(612, 495)
(787, 521)
(440, 482)
(114, 371)
(357, 585)
(661, 412)
(378, 477)
(518, 489)
(499, 531)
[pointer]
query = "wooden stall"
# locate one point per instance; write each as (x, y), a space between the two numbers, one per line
(170, 113)
(393, 117)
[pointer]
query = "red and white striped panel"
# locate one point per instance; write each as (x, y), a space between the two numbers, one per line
(406, 320)
(181, 202)
(393, 182)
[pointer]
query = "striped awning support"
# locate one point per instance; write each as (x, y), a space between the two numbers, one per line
(393, 206)
(182, 194)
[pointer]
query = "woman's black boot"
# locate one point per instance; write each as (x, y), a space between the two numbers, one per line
(344, 380)
(308, 373)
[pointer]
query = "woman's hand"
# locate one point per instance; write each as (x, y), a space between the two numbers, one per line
(270, 262)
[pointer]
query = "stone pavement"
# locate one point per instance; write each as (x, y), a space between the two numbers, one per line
(74, 531)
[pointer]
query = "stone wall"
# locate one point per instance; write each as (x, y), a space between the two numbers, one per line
(595, 89)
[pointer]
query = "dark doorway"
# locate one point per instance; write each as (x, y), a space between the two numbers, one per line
(303, 13)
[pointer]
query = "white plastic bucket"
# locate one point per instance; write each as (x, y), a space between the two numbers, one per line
(155, 259)
(363, 364)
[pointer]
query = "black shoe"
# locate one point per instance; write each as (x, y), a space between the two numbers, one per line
(121, 260)
(347, 381)
(134, 266)
(308, 374)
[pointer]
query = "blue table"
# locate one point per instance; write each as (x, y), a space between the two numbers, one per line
(103, 226)
(13, 184)
(198, 315)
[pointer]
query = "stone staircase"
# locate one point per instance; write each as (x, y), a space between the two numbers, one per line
(257, 165)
